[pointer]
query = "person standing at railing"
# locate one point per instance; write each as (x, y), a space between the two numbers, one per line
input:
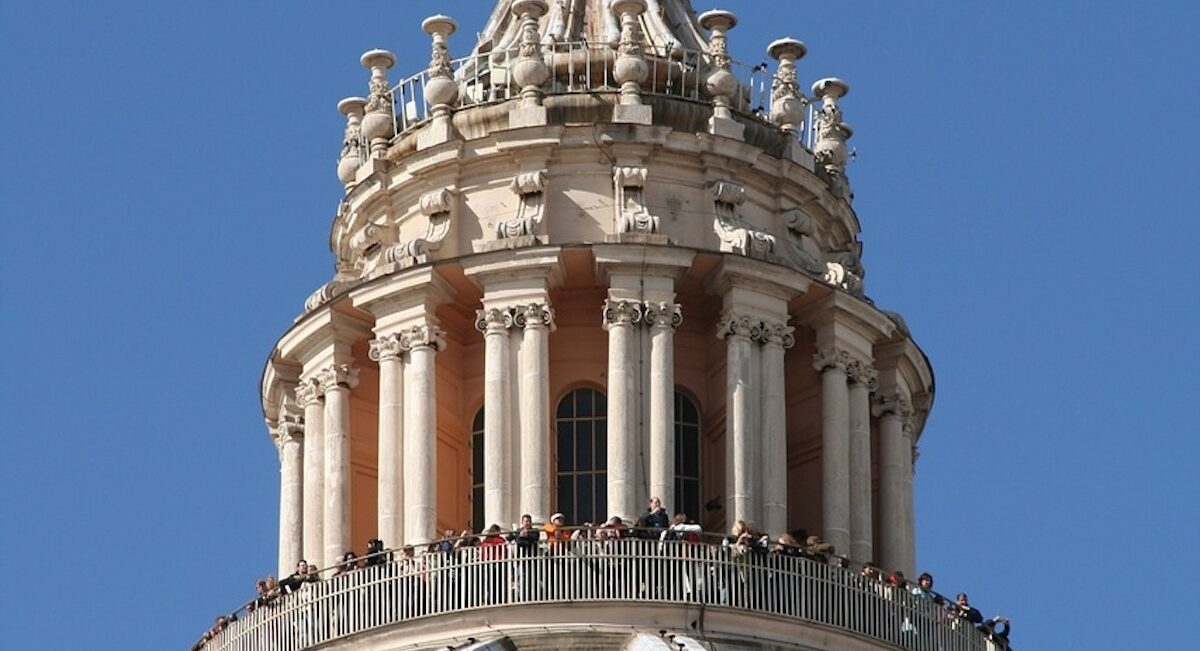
(527, 539)
(654, 520)
(494, 588)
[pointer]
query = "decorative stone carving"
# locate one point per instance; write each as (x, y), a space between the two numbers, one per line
(830, 357)
(365, 238)
(735, 235)
(801, 228)
(288, 429)
(832, 133)
(720, 83)
(896, 404)
(493, 319)
(739, 325)
(788, 104)
(632, 213)
(845, 272)
(441, 90)
(533, 315)
(308, 392)
(621, 313)
(531, 188)
(352, 155)
(424, 335)
(437, 207)
(530, 71)
(337, 375)
(663, 315)
(862, 372)
(378, 124)
(630, 69)
(387, 347)
(777, 333)
(345, 279)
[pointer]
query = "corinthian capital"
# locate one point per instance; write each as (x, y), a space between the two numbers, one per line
(493, 320)
(534, 315)
(830, 357)
(426, 335)
(288, 429)
(387, 347)
(622, 313)
(739, 325)
(308, 392)
(663, 315)
(778, 333)
(862, 372)
(895, 404)
(337, 375)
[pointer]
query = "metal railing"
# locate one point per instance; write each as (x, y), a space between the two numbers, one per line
(636, 571)
(581, 67)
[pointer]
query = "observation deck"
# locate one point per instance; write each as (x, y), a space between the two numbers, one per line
(601, 594)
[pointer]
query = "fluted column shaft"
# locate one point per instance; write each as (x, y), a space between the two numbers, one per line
(862, 378)
(835, 448)
(336, 383)
(663, 319)
(777, 337)
(740, 377)
(308, 396)
(420, 434)
(289, 442)
(497, 493)
(535, 410)
(388, 350)
(620, 317)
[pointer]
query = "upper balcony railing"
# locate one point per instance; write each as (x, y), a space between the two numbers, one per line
(634, 571)
(581, 67)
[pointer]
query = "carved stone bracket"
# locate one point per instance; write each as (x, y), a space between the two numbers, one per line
(530, 187)
(802, 228)
(829, 357)
(844, 271)
(337, 375)
(735, 235)
(632, 214)
(663, 315)
(437, 206)
(533, 315)
(622, 313)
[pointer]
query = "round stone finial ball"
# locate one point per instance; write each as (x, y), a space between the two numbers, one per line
(830, 87)
(439, 24)
(535, 8)
(787, 47)
(718, 19)
(377, 58)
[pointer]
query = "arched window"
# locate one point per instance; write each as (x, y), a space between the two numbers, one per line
(477, 472)
(581, 423)
(687, 457)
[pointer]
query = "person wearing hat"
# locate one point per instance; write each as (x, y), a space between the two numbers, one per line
(556, 533)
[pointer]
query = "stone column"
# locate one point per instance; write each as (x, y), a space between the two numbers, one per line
(776, 338)
(537, 319)
(420, 432)
(289, 437)
(388, 350)
(862, 381)
(663, 318)
(494, 323)
(895, 478)
(309, 397)
(835, 447)
(336, 383)
(740, 402)
(620, 317)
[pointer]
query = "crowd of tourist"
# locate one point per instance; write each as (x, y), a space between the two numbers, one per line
(743, 543)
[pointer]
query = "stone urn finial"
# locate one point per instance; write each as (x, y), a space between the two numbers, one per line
(832, 132)
(630, 68)
(352, 155)
(787, 101)
(721, 84)
(441, 91)
(378, 123)
(530, 71)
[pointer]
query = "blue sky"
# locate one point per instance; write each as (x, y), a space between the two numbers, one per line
(1024, 177)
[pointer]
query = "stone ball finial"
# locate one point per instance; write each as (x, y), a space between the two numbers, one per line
(787, 48)
(830, 87)
(718, 19)
(440, 24)
(377, 59)
(535, 8)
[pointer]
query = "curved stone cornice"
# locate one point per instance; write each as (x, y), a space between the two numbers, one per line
(829, 357)
(387, 347)
(337, 375)
(534, 315)
(493, 320)
(622, 313)
(663, 315)
(424, 336)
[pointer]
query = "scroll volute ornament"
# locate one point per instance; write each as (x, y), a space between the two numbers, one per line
(437, 206)
(735, 235)
(633, 216)
(530, 188)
